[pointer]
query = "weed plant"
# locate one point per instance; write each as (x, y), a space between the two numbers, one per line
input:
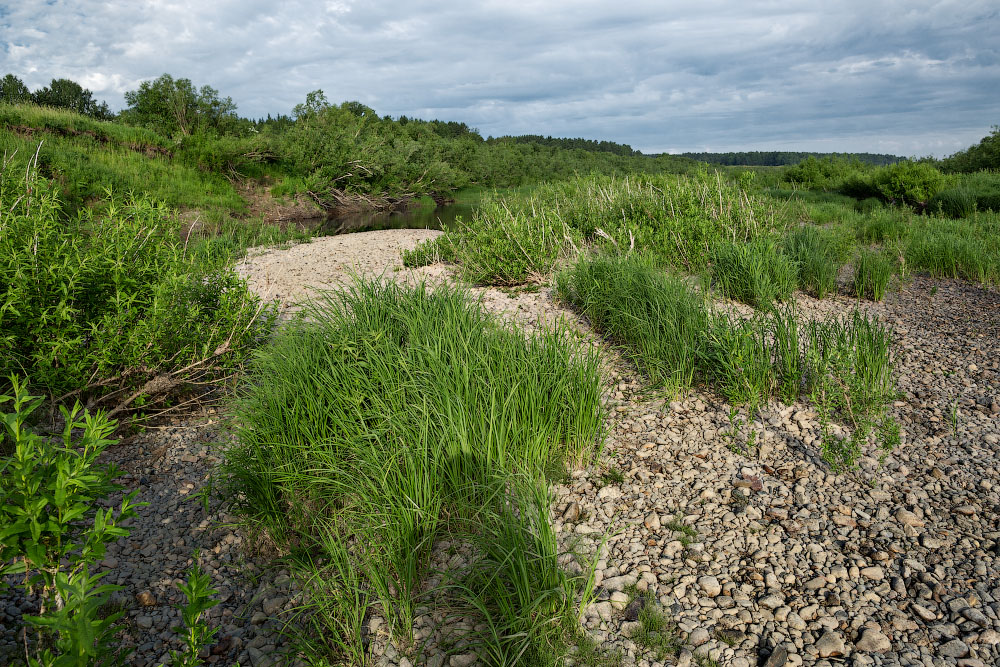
(389, 417)
(755, 273)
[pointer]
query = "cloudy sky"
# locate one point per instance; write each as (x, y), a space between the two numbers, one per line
(901, 76)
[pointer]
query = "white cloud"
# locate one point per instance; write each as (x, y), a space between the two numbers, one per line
(852, 75)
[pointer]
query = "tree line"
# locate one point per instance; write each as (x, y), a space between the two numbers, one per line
(784, 158)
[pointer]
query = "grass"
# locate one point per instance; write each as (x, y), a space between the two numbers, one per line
(873, 272)
(392, 417)
(754, 272)
(818, 258)
(657, 318)
(843, 365)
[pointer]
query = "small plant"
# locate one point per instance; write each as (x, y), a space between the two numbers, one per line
(656, 633)
(54, 531)
(612, 475)
(816, 255)
(195, 631)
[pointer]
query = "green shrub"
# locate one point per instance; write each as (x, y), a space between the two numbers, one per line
(503, 244)
(656, 317)
(873, 271)
(909, 183)
(817, 257)
(109, 300)
(755, 273)
(868, 205)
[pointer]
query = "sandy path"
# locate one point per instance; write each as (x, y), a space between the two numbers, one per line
(293, 274)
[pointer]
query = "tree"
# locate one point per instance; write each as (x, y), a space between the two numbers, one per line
(67, 94)
(175, 106)
(13, 90)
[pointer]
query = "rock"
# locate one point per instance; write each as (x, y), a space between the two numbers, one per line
(989, 637)
(908, 518)
(610, 492)
(771, 601)
(684, 658)
(572, 513)
(924, 613)
(830, 645)
(463, 660)
(144, 622)
(633, 609)
(873, 641)
(698, 637)
(778, 657)
(873, 573)
(956, 648)
(710, 586)
(145, 598)
(652, 522)
(273, 605)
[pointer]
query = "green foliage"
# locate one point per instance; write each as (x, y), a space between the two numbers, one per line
(656, 317)
(175, 106)
(13, 90)
(984, 155)
(197, 635)
(54, 530)
(108, 300)
(845, 366)
(909, 183)
(818, 161)
(754, 272)
(967, 249)
(505, 244)
(817, 256)
(66, 94)
(979, 191)
(873, 271)
(443, 409)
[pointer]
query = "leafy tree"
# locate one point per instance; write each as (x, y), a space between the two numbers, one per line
(13, 90)
(67, 94)
(984, 155)
(176, 106)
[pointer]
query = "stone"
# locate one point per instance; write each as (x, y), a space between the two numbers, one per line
(873, 573)
(710, 586)
(144, 622)
(771, 602)
(923, 613)
(145, 598)
(989, 637)
(873, 641)
(908, 518)
(698, 637)
(956, 648)
(830, 645)
(572, 513)
(610, 492)
(652, 522)
(778, 657)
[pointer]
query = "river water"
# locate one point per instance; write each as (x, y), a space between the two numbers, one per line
(417, 217)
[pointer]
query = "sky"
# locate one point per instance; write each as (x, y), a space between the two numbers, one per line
(905, 77)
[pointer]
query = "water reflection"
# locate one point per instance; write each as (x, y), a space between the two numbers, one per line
(423, 217)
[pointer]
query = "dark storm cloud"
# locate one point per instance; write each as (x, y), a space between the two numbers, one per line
(904, 76)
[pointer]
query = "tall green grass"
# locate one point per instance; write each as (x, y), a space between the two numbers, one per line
(843, 365)
(655, 316)
(873, 272)
(817, 257)
(391, 417)
(755, 272)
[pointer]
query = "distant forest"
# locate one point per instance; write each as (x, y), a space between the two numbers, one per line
(570, 144)
(784, 158)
